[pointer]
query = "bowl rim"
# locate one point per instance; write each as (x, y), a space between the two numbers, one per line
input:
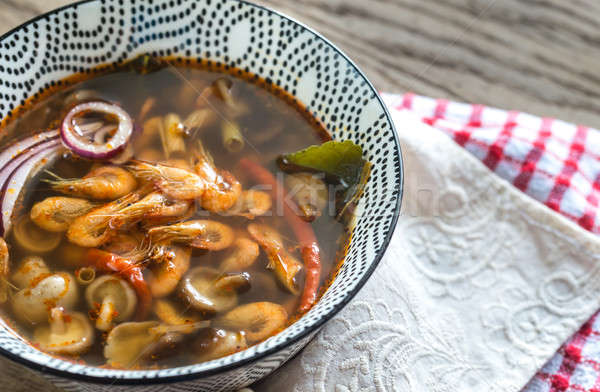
(141, 381)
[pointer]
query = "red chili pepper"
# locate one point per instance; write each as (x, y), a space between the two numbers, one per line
(110, 262)
(311, 254)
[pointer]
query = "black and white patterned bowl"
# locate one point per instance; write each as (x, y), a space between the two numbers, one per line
(37, 55)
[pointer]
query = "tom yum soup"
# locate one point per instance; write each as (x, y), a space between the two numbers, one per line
(156, 215)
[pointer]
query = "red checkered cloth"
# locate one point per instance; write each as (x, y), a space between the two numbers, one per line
(555, 162)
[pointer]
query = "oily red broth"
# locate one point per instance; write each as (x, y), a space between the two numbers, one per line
(270, 126)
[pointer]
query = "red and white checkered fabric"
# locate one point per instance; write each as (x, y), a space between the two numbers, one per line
(555, 162)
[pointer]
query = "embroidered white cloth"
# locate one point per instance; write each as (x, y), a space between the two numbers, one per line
(480, 286)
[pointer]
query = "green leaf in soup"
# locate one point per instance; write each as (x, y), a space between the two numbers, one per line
(340, 159)
(346, 200)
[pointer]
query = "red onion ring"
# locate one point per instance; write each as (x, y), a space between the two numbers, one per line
(14, 175)
(16, 149)
(22, 160)
(71, 136)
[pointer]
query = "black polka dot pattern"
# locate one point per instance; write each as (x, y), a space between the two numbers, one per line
(39, 55)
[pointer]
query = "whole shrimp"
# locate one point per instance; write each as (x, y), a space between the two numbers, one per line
(202, 234)
(241, 255)
(102, 183)
(97, 226)
(154, 205)
(174, 182)
(174, 261)
(251, 203)
(222, 188)
(285, 266)
(56, 213)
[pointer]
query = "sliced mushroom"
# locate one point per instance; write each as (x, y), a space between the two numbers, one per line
(183, 329)
(68, 333)
(33, 303)
(199, 290)
(175, 262)
(113, 298)
(136, 342)
(172, 314)
(258, 320)
(239, 282)
(32, 238)
(129, 343)
(216, 343)
(30, 268)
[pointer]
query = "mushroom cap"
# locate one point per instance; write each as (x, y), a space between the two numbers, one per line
(30, 268)
(198, 288)
(128, 342)
(172, 314)
(32, 304)
(216, 343)
(76, 337)
(32, 238)
(239, 282)
(117, 291)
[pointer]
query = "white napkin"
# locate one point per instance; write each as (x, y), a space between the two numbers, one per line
(479, 287)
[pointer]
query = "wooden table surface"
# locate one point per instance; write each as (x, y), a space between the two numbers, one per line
(539, 56)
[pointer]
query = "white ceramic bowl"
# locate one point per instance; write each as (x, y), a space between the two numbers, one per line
(38, 54)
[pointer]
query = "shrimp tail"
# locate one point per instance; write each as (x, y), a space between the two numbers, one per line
(311, 254)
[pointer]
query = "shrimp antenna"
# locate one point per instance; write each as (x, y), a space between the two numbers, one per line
(52, 174)
(141, 251)
(203, 152)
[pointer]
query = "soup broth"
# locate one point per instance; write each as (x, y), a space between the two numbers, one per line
(213, 290)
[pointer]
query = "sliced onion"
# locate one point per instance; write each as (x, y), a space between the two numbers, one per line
(21, 146)
(14, 175)
(71, 134)
(22, 160)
